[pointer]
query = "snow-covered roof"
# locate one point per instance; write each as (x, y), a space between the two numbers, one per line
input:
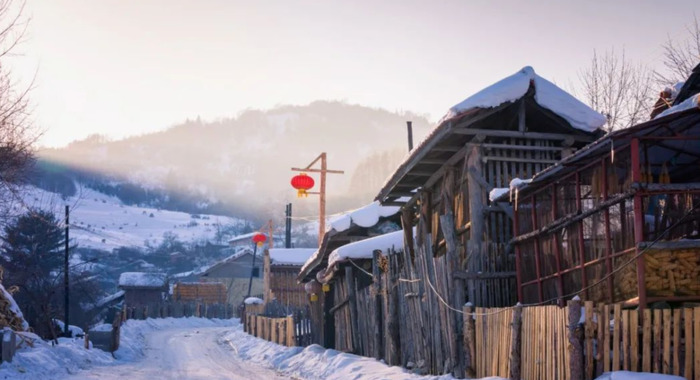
(142, 280)
(290, 256)
(497, 192)
(547, 95)
(364, 249)
(109, 299)
(691, 102)
(247, 236)
(366, 216)
(239, 253)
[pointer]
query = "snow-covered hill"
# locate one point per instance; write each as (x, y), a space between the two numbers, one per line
(103, 222)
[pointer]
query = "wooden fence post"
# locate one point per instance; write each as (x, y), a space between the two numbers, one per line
(516, 328)
(8, 345)
(376, 289)
(352, 303)
(575, 348)
(469, 342)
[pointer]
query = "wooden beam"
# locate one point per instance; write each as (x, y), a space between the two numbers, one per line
(481, 275)
(430, 161)
(523, 135)
(474, 174)
(516, 159)
(522, 147)
(420, 174)
(445, 149)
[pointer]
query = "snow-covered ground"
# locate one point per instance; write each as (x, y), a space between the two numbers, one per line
(103, 222)
(197, 348)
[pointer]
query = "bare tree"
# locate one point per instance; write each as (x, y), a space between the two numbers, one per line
(679, 57)
(16, 132)
(617, 88)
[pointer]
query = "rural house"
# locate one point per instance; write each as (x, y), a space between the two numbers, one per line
(280, 269)
(142, 288)
(459, 251)
(234, 273)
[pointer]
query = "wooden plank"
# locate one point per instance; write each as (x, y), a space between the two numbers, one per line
(634, 340)
(677, 341)
(617, 318)
(589, 331)
(688, 327)
(656, 348)
(646, 341)
(696, 339)
(666, 364)
(606, 338)
(600, 324)
(626, 339)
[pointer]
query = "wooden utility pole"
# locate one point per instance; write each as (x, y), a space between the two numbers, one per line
(322, 191)
(66, 281)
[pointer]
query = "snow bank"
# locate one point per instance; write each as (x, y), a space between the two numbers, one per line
(142, 279)
(364, 249)
(315, 362)
(547, 94)
(14, 307)
(690, 103)
(627, 375)
(70, 356)
(290, 256)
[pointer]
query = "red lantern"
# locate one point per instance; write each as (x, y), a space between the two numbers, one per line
(259, 239)
(302, 183)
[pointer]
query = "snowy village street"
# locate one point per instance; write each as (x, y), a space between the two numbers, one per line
(184, 353)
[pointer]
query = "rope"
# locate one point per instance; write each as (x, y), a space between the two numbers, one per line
(551, 300)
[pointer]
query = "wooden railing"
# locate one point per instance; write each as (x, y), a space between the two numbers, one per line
(292, 330)
(178, 310)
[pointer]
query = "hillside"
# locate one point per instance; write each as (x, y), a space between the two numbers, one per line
(239, 166)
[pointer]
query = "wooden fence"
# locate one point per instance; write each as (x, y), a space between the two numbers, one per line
(178, 310)
(292, 330)
(549, 342)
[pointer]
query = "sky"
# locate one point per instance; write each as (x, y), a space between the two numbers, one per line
(121, 68)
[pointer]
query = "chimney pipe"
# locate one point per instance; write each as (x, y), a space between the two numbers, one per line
(409, 126)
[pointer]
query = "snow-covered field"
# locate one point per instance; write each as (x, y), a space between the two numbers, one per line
(103, 222)
(197, 348)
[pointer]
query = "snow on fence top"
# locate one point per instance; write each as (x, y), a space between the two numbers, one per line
(547, 95)
(290, 256)
(364, 249)
(142, 280)
(253, 301)
(15, 321)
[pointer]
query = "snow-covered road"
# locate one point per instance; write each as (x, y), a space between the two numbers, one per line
(184, 354)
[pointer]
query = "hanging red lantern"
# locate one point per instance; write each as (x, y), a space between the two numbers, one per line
(259, 239)
(302, 183)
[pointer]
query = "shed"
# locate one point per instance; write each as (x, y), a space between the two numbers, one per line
(204, 292)
(141, 288)
(281, 267)
(235, 273)
(514, 128)
(618, 221)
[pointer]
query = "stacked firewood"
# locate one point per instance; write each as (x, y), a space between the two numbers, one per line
(670, 273)
(8, 316)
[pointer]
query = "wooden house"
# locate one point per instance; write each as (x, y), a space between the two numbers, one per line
(459, 251)
(143, 288)
(280, 269)
(200, 292)
(235, 273)
(618, 221)
(363, 223)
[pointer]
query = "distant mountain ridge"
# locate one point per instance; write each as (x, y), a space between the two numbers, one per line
(239, 166)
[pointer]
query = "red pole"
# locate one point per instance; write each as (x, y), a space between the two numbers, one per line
(557, 250)
(518, 261)
(608, 242)
(581, 245)
(638, 223)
